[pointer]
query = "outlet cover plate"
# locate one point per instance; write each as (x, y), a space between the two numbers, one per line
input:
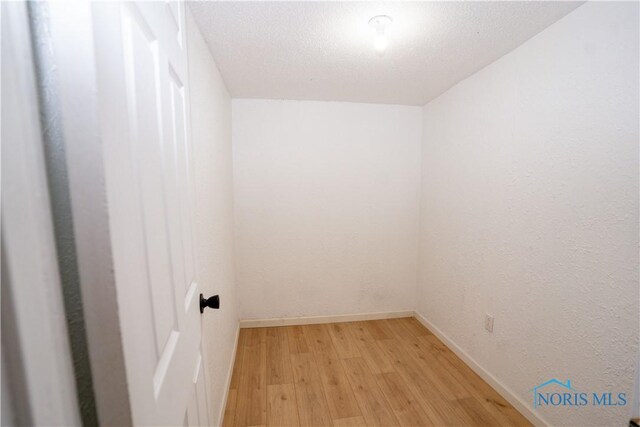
(488, 322)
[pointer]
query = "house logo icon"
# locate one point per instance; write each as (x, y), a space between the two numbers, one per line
(536, 389)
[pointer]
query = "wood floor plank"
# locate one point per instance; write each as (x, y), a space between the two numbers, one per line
(252, 392)
(403, 403)
(413, 325)
(342, 340)
(254, 413)
(282, 408)
(305, 368)
(230, 409)
(447, 389)
(400, 332)
(436, 407)
(438, 372)
(319, 340)
(350, 422)
(374, 406)
(476, 412)
(313, 408)
(505, 414)
(377, 360)
(378, 329)
(278, 358)
(456, 367)
(340, 397)
(297, 340)
(438, 378)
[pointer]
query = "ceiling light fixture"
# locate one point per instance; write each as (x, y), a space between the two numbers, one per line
(379, 23)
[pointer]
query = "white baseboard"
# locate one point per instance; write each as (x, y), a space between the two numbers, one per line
(228, 381)
(504, 391)
(290, 321)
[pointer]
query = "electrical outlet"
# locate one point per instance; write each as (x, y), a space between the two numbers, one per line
(488, 322)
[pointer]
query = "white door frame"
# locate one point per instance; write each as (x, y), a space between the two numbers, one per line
(40, 384)
(72, 30)
(36, 353)
(36, 356)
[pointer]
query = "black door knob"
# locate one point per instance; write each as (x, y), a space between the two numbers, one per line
(212, 302)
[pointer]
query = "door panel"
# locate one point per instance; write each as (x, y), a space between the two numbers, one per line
(197, 414)
(201, 395)
(148, 167)
(182, 162)
(176, 14)
(141, 60)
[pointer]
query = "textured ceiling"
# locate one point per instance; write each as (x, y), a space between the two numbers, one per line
(324, 51)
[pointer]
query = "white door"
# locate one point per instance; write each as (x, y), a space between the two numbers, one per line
(142, 90)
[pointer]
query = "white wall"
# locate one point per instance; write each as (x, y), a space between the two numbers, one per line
(530, 211)
(326, 207)
(211, 136)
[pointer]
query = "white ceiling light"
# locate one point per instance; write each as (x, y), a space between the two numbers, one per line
(379, 24)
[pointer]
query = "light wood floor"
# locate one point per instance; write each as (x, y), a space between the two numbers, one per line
(381, 372)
